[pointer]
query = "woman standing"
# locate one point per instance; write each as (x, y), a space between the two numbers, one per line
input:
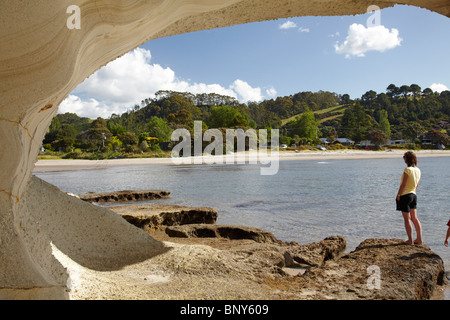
(407, 199)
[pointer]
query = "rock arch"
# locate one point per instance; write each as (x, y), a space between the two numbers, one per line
(42, 61)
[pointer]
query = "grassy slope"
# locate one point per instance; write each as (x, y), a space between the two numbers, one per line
(341, 112)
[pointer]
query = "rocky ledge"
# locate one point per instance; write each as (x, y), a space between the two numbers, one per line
(376, 269)
(380, 269)
(158, 216)
(124, 196)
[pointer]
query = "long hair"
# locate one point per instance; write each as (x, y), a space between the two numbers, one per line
(410, 158)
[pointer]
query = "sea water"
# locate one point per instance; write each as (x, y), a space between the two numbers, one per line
(306, 201)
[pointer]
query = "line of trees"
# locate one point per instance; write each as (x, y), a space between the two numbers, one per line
(402, 112)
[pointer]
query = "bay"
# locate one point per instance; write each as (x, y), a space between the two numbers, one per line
(306, 201)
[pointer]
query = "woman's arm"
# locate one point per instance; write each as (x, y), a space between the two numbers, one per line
(405, 178)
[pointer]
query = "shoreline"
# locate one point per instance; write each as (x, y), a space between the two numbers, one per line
(74, 164)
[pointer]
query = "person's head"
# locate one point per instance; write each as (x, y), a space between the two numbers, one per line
(410, 158)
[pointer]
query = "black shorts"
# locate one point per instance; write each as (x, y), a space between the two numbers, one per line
(407, 202)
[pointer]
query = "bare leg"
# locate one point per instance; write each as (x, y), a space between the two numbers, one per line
(408, 226)
(446, 237)
(417, 226)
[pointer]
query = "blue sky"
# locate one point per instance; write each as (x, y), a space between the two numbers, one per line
(263, 60)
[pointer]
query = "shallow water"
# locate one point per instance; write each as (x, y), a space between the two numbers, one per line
(306, 201)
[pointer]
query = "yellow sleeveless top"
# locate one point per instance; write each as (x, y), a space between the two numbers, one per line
(413, 179)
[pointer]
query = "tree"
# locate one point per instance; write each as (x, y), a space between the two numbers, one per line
(55, 124)
(412, 131)
(345, 99)
(178, 102)
(182, 117)
(415, 89)
(96, 137)
(438, 137)
(427, 92)
(115, 144)
(306, 125)
(405, 90)
(329, 132)
(226, 117)
(239, 120)
(354, 123)
(116, 128)
(392, 91)
(377, 137)
(368, 98)
(128, 139)
(384, 124)
(383, 101)
(65, 144)
(348, 124)
(158, 128)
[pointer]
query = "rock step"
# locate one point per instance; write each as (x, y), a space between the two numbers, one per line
(221, 231)
(158, 216)
(124, 195)
(378, 269)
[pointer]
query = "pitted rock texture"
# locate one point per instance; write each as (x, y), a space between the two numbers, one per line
(124, 196)
(157, 216)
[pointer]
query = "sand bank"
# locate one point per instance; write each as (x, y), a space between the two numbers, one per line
(69, 164)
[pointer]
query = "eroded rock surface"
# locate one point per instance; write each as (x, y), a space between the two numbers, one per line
(221, 231)
(124, 196)
(378, 269)
(156, 216)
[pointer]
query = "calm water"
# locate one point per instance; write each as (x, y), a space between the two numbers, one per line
(305, 202)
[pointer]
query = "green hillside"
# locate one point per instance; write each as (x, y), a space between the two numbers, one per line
(331, 113)
(401, 113)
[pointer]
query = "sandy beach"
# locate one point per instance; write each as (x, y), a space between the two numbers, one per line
(69, 164)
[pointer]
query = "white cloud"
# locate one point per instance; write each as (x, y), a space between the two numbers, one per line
(361, 39)
(438, 87)
(246, 92)
(271, 92)
(288, 25)
(291, 25)
(336, 34)
(126, 81)
(302, 29)
(90, 108)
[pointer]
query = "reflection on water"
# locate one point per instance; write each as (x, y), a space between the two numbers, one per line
(305, 201)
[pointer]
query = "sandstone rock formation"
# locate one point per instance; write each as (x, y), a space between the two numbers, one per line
(42, 61)
(156, 216)
(319, 270)
(124, 196)
(221, 231)
(405, 272)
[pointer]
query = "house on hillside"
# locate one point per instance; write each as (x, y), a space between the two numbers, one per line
(435, 138)
(344, 141)
(366, 143)
(395, 142)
